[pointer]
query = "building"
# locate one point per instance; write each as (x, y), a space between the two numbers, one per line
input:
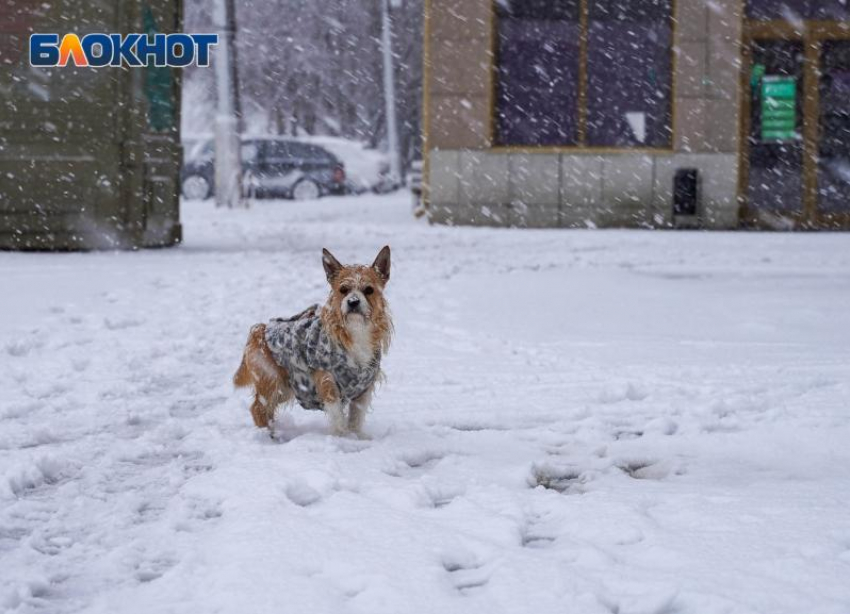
(641, 113)
(89, 157)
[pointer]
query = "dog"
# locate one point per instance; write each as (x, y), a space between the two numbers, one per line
(326, 358)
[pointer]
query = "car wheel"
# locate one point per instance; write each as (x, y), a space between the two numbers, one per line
(196, 187)
(306, 189)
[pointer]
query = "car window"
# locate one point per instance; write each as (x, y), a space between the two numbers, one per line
(314, 153)
(250, 151)
(293, 150)
(320, 153)
(277, 149)
(299, 150)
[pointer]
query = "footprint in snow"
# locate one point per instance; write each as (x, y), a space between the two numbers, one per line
(50, 542)
(19, 348)
(627, 434)
(122, 323)
(649, 469)
(150, 570)
(195, 512)
(415, 463)
(562, 479)
(305, 494)
(533, 532)
(474, 427)
(437, 498)
(465, 572)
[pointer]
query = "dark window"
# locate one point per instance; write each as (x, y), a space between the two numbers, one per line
(317, 154)
(629, 73)
(299, 150)
(538, 74)
(628, 66)
(293, 151)
(794, 10)
(278, 150)
(834, 154)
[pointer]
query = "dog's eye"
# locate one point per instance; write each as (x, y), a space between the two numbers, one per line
(368, 290)
(343, 290)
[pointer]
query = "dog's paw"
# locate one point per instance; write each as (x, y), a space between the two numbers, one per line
(353, 435)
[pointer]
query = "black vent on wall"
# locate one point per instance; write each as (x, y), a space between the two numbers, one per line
(686, 191)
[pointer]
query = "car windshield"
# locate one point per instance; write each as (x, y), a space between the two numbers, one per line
(250, 150)
(205, 150)
(299, 151)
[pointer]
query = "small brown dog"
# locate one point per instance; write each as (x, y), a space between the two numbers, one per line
(328, 358)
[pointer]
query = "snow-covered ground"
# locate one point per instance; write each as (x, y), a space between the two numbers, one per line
(573, 421)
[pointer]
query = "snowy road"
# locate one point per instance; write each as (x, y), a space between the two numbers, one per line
(590, 422)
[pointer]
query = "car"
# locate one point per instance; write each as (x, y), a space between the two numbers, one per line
(414, 182)
(271, 168)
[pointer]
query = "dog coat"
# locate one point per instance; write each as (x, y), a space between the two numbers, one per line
(301, 346)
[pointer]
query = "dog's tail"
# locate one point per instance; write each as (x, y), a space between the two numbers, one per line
(256, 338)
(242, 378)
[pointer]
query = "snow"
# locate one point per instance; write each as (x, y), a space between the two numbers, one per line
(573, 421)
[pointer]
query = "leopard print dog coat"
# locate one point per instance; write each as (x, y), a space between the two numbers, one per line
(301, 346)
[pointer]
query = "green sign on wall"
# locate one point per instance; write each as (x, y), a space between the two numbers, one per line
(158, 87)
(778, 108)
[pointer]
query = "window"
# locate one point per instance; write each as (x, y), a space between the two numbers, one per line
(795, 10)
(629, 73)
(584, 73)
(318, 154)
(538, 72)
(278, 151)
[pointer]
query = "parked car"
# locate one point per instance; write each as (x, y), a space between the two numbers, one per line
(272, 168)
(414, 182)
(414, 179)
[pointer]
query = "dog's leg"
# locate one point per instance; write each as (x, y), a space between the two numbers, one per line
(336, 415)
(268, 379)
(331, 400)
(260, 411)
(357, 411)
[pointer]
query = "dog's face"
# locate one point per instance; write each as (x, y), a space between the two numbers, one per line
(357, 292)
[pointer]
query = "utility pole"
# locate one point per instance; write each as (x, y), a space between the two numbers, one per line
(228, 149)
(389, 89)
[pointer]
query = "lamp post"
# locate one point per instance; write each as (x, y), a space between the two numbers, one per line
(389, 89)
(228, 154)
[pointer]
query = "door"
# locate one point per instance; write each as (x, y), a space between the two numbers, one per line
(796, 150)
(279, 169)
(775, 139)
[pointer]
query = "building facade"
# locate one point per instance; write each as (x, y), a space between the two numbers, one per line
(89, 157)
(638, 113)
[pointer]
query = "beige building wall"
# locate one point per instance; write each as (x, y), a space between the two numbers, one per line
(468, 182)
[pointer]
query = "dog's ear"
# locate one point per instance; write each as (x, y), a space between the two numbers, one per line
(331, 264)
(382, 263)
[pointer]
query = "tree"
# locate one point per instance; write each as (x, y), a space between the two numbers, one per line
(315, 68)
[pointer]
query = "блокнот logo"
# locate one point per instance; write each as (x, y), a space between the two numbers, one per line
(130, 50)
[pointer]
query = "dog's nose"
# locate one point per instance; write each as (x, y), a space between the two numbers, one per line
(353, 302)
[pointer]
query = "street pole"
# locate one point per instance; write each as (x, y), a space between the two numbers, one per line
(228, 151)
(389, 90)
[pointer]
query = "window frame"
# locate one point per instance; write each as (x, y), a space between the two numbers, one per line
(581, 102)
